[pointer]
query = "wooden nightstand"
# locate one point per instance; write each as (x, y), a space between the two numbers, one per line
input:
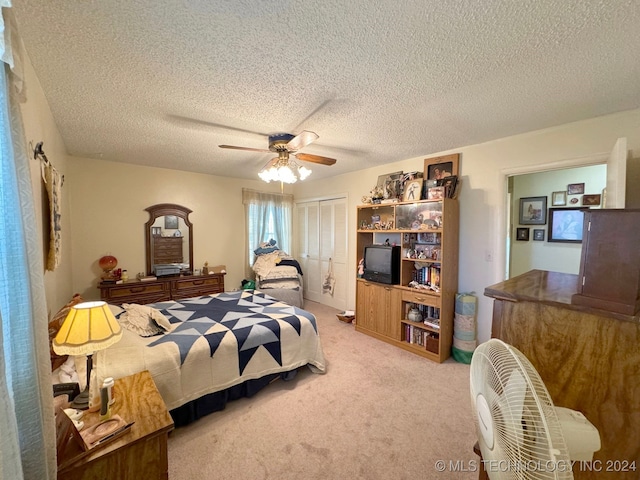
(141, 453)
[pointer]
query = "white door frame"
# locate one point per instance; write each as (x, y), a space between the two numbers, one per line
(503, 209)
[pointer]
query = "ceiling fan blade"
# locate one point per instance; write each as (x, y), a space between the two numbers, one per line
(301, 140)
(307, 157)
(245, 148)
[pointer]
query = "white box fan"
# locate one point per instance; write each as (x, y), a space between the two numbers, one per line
(520, 432)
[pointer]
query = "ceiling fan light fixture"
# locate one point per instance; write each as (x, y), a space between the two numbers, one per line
(284, 171)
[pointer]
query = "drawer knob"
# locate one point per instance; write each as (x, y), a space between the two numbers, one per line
(137, 289)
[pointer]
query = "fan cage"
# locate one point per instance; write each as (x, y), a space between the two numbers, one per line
(528, 439)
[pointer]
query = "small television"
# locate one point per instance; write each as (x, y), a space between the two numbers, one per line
(382, 264)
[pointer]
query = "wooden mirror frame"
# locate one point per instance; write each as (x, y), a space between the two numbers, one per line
(160, 210)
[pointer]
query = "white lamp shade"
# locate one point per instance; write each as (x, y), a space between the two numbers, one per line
(89, 327)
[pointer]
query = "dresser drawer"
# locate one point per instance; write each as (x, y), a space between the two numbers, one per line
(135, 292)
(206, 284)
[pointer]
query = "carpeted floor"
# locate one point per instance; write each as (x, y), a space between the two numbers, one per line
(378, 413)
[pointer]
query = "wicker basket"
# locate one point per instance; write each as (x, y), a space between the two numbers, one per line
(346, 318)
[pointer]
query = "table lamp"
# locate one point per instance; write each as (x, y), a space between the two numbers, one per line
(88, 328)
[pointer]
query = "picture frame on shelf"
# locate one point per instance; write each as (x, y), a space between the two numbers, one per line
(533, 211)
(449, 184)
(591, 200)
(538, 234)
(390, 184)
(558, 199)
(412, 190)
(438, 168)
(575, 188)
(522, 234)
(565, 224)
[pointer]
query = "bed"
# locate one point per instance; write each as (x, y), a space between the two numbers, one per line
(278, 274)
(219, 347)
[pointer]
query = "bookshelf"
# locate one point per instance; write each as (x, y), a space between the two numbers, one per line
(427, 231)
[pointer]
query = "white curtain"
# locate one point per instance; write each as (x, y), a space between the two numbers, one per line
(268, 216)
(27, 429)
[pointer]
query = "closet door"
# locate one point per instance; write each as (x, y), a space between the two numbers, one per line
(333, 246)
(309, 247)
(322, 235)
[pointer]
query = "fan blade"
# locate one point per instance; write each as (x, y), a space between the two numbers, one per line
(307, 157)
(245, 148)
(301, 140)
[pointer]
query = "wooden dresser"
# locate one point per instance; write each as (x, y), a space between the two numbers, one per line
(140, 453)
(162, 289)
(167, 249)
(588, 359)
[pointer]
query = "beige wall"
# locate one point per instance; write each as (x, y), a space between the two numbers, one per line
(484, 168)
(108, 201)
(39, 126)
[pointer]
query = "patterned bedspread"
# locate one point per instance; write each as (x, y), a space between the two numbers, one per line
(217, 341)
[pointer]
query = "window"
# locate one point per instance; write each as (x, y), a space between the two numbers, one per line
(268, 216)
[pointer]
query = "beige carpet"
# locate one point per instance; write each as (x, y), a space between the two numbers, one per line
(378, 413)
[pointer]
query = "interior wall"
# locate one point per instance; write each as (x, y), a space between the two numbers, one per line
(483, 192)
(108, 201)
(545, 255)
(39, 126)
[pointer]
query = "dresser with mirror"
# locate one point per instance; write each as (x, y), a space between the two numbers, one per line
(169, 258)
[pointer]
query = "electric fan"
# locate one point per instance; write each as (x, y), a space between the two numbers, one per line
(521, 434)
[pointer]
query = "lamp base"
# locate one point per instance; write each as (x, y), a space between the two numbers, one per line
(81, 402)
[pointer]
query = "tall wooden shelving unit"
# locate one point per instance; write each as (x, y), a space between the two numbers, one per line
(430, 227)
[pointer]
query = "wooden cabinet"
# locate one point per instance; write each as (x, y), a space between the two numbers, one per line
(167, 249)
(140, 453)
(377, 306)
(428, 234)
(610, 262)
(587, 358)
(162, 289)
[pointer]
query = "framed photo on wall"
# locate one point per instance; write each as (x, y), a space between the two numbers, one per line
(558, 199)
(538, 234)
(575, 188)
(438, 168)
(591, 200)
(565, 225)
(522, 234)
(533, 211)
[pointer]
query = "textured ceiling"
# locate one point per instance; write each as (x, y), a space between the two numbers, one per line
(163, 82)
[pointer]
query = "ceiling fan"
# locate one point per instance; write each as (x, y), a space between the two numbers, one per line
(285, 144)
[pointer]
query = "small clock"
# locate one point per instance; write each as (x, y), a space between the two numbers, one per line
(177, 233)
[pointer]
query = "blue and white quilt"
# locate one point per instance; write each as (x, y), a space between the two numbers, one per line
(217, 341)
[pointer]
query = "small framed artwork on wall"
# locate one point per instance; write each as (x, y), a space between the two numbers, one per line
(522, 234)
(558, 199)
(538, 234)
(591, 200)
(575, 188)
